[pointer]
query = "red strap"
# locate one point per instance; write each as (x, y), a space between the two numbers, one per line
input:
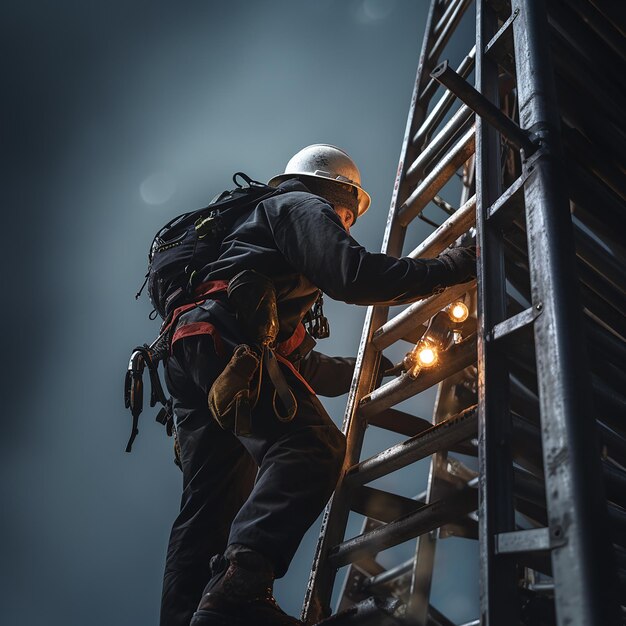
(212, 286)
(200, 328)
(204, 289)
(295, 372)
(205, 328)
(286, 347)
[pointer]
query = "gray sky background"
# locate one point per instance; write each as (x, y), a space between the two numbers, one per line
(116, 116)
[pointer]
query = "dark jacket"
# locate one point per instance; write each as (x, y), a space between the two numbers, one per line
(297, 240)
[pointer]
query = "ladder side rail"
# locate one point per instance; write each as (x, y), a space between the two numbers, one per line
(583, 568)
(498, 598)
(319, 590)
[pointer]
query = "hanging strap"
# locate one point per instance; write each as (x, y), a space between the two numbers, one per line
(281, 388)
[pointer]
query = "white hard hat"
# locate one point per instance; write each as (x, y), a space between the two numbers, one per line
(321, 160)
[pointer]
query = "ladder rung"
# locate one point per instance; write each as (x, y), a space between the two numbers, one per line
(455, 359)
(367, 612)
(426, 519)
(515, 323)
(448, 29)
(399, 422)
(439, 437)
(437, 178)
(416, 314)
(455, 226)
(533, 540)
(438, 143)
(389, 575)
(509, 202)
(500, 48)
(382, 506)
(444, 104)
(443, 20)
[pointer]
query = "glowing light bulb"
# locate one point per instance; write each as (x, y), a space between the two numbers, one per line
(424, 355)
(458, 312)
(427, 354)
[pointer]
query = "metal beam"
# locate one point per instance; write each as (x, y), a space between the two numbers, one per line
(441, 436)
(426, 519)
(437, 178)
(443, 105)
(455, 226)
(498, 596)
(416, 314)
(576, 503)
(455, 359)
(439, 143)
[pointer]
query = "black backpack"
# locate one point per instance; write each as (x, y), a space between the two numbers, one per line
(178, 252)
(191, 241)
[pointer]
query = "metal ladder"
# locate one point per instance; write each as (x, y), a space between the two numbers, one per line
(537, 382)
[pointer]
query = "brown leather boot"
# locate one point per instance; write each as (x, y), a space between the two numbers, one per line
(240, 593)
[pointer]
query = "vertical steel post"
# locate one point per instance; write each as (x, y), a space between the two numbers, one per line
(498, 594)
(582, 565)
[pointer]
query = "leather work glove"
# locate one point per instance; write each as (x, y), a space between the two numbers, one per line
(229, 398)
(460, 264)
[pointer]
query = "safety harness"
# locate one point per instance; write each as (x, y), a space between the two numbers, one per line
(150, 356)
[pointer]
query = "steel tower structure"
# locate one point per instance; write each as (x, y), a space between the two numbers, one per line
(534, 383)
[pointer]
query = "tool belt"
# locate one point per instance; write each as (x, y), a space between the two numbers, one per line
(237, 389)
(253, 297)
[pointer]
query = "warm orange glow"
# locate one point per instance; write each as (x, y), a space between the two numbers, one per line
(458, 311)
(424, 355)
(427, 354)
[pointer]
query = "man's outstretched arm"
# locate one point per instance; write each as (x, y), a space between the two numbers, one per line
(313, 240)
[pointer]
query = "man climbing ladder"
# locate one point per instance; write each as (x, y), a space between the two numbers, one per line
(260, 456)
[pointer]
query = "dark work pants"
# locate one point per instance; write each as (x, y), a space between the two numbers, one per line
(225, 501)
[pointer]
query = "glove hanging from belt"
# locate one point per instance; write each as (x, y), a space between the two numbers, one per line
(231, 400)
